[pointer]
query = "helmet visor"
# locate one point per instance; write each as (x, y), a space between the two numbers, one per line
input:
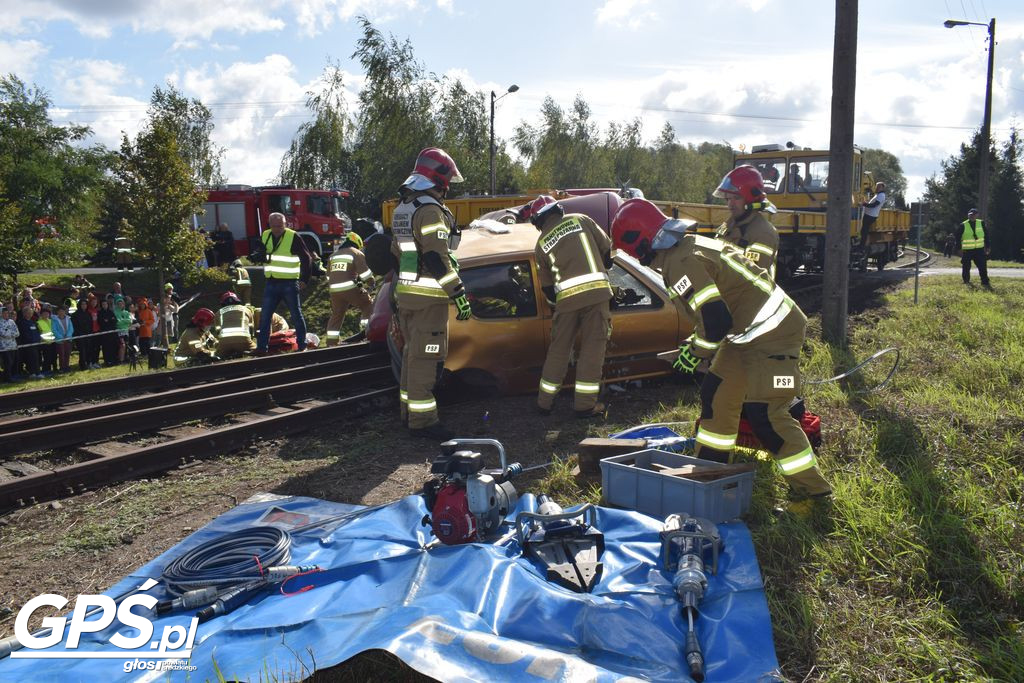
(727, 189)
(670, 232)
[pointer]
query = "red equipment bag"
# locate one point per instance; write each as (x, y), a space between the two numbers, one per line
(282, 341)
(809, 422)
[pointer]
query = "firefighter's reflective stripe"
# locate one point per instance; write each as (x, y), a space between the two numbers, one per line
(771, 315)
(366, 275)
(333, 334)
(562, 289)
(712, 440)
(761, 248)
(234, 332)
(282, 264)
(794, 464)
(704, 343)
(973, 239)
(708, 243)
(422, 406)
(403, 396)
(425, 286)
(452, 275)
(433, 227)
(548, 387)
(588, 387)
(343, 286)
(753, 278)
(408, 247)
(705, 295)
(124, 251)
(244, 281)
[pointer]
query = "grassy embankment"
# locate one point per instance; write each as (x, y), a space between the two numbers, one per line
(918, 573)
(210, 284)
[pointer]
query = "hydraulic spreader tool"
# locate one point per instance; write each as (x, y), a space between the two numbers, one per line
(468, 503)
(568, 544)
(685, 544)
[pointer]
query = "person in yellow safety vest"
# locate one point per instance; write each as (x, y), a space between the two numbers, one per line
(196, 344)
(286, 274)
(235, 335)
(240, 282)
(751, 328)
(746, 227)
(124, 253)
(573, 257)
(974, 247)
(424, 235)
(348, 275)
(48, 351)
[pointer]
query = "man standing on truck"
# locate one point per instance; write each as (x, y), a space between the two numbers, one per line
(872, 208)
(285, 274)
(573, 257)
(348, 274)
(746, 227)
(425, 233)
(974, 247)
(750, 327)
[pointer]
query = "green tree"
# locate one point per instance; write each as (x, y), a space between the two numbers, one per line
(320, 154)
(50, 183)
(1005, 221)
(159, 197)
(192, 125)
(396, 117)
(951, 195)
(885, 167)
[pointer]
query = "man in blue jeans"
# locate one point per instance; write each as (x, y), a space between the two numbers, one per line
(286, 272)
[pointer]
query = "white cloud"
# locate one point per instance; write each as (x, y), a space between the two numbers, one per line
(21, 56)
(93, 85)
(630, 13)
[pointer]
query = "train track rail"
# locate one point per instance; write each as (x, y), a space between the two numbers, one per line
(274, 403)
(51, 397)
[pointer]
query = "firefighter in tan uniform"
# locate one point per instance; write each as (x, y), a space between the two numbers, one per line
(573, 257)
(749, 325)
(241, 285)
(746, 227)
(124, 253)
(424, 231)
(277, 322)
(348, 274)
(235, 336)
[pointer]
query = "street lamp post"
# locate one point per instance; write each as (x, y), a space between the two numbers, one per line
(986, 123)
(512, 88)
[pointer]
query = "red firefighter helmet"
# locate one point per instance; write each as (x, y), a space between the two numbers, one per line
(204, 317)
(229, 299)
(535, 206)
(635, 224)
(434, 169)
(743, 181)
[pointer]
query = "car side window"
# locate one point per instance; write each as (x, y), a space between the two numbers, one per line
(501, 290)
(630, 292)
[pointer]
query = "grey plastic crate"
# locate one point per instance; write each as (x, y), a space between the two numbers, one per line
(640, 487)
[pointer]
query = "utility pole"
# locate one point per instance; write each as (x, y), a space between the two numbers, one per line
(986, 126)
(841, 181)
(494, 98)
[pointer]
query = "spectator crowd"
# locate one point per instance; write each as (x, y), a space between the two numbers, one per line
(38, 338)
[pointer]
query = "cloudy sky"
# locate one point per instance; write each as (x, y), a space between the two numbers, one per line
(745, 72)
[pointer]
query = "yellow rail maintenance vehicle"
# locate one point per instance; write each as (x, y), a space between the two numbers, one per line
(796, 180)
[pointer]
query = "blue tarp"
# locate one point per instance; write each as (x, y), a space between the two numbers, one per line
(467, 613)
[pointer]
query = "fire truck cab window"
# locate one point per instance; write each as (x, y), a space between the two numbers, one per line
(501, 290)
(280, 203)
(320, 205)
(772, 170)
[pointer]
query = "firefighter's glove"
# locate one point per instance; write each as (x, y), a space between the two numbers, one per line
(462, 304)
(686, 362)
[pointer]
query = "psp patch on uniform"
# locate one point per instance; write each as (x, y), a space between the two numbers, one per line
(784, 382)
(432, 348)
(682, 286)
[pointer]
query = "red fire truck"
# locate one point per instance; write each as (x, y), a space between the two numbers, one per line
(317, 215)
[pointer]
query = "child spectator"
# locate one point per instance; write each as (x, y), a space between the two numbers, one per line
(124, 321)
(47, 352)
(147, 325)
(63, 330)
(109, 341)
(82, 322)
